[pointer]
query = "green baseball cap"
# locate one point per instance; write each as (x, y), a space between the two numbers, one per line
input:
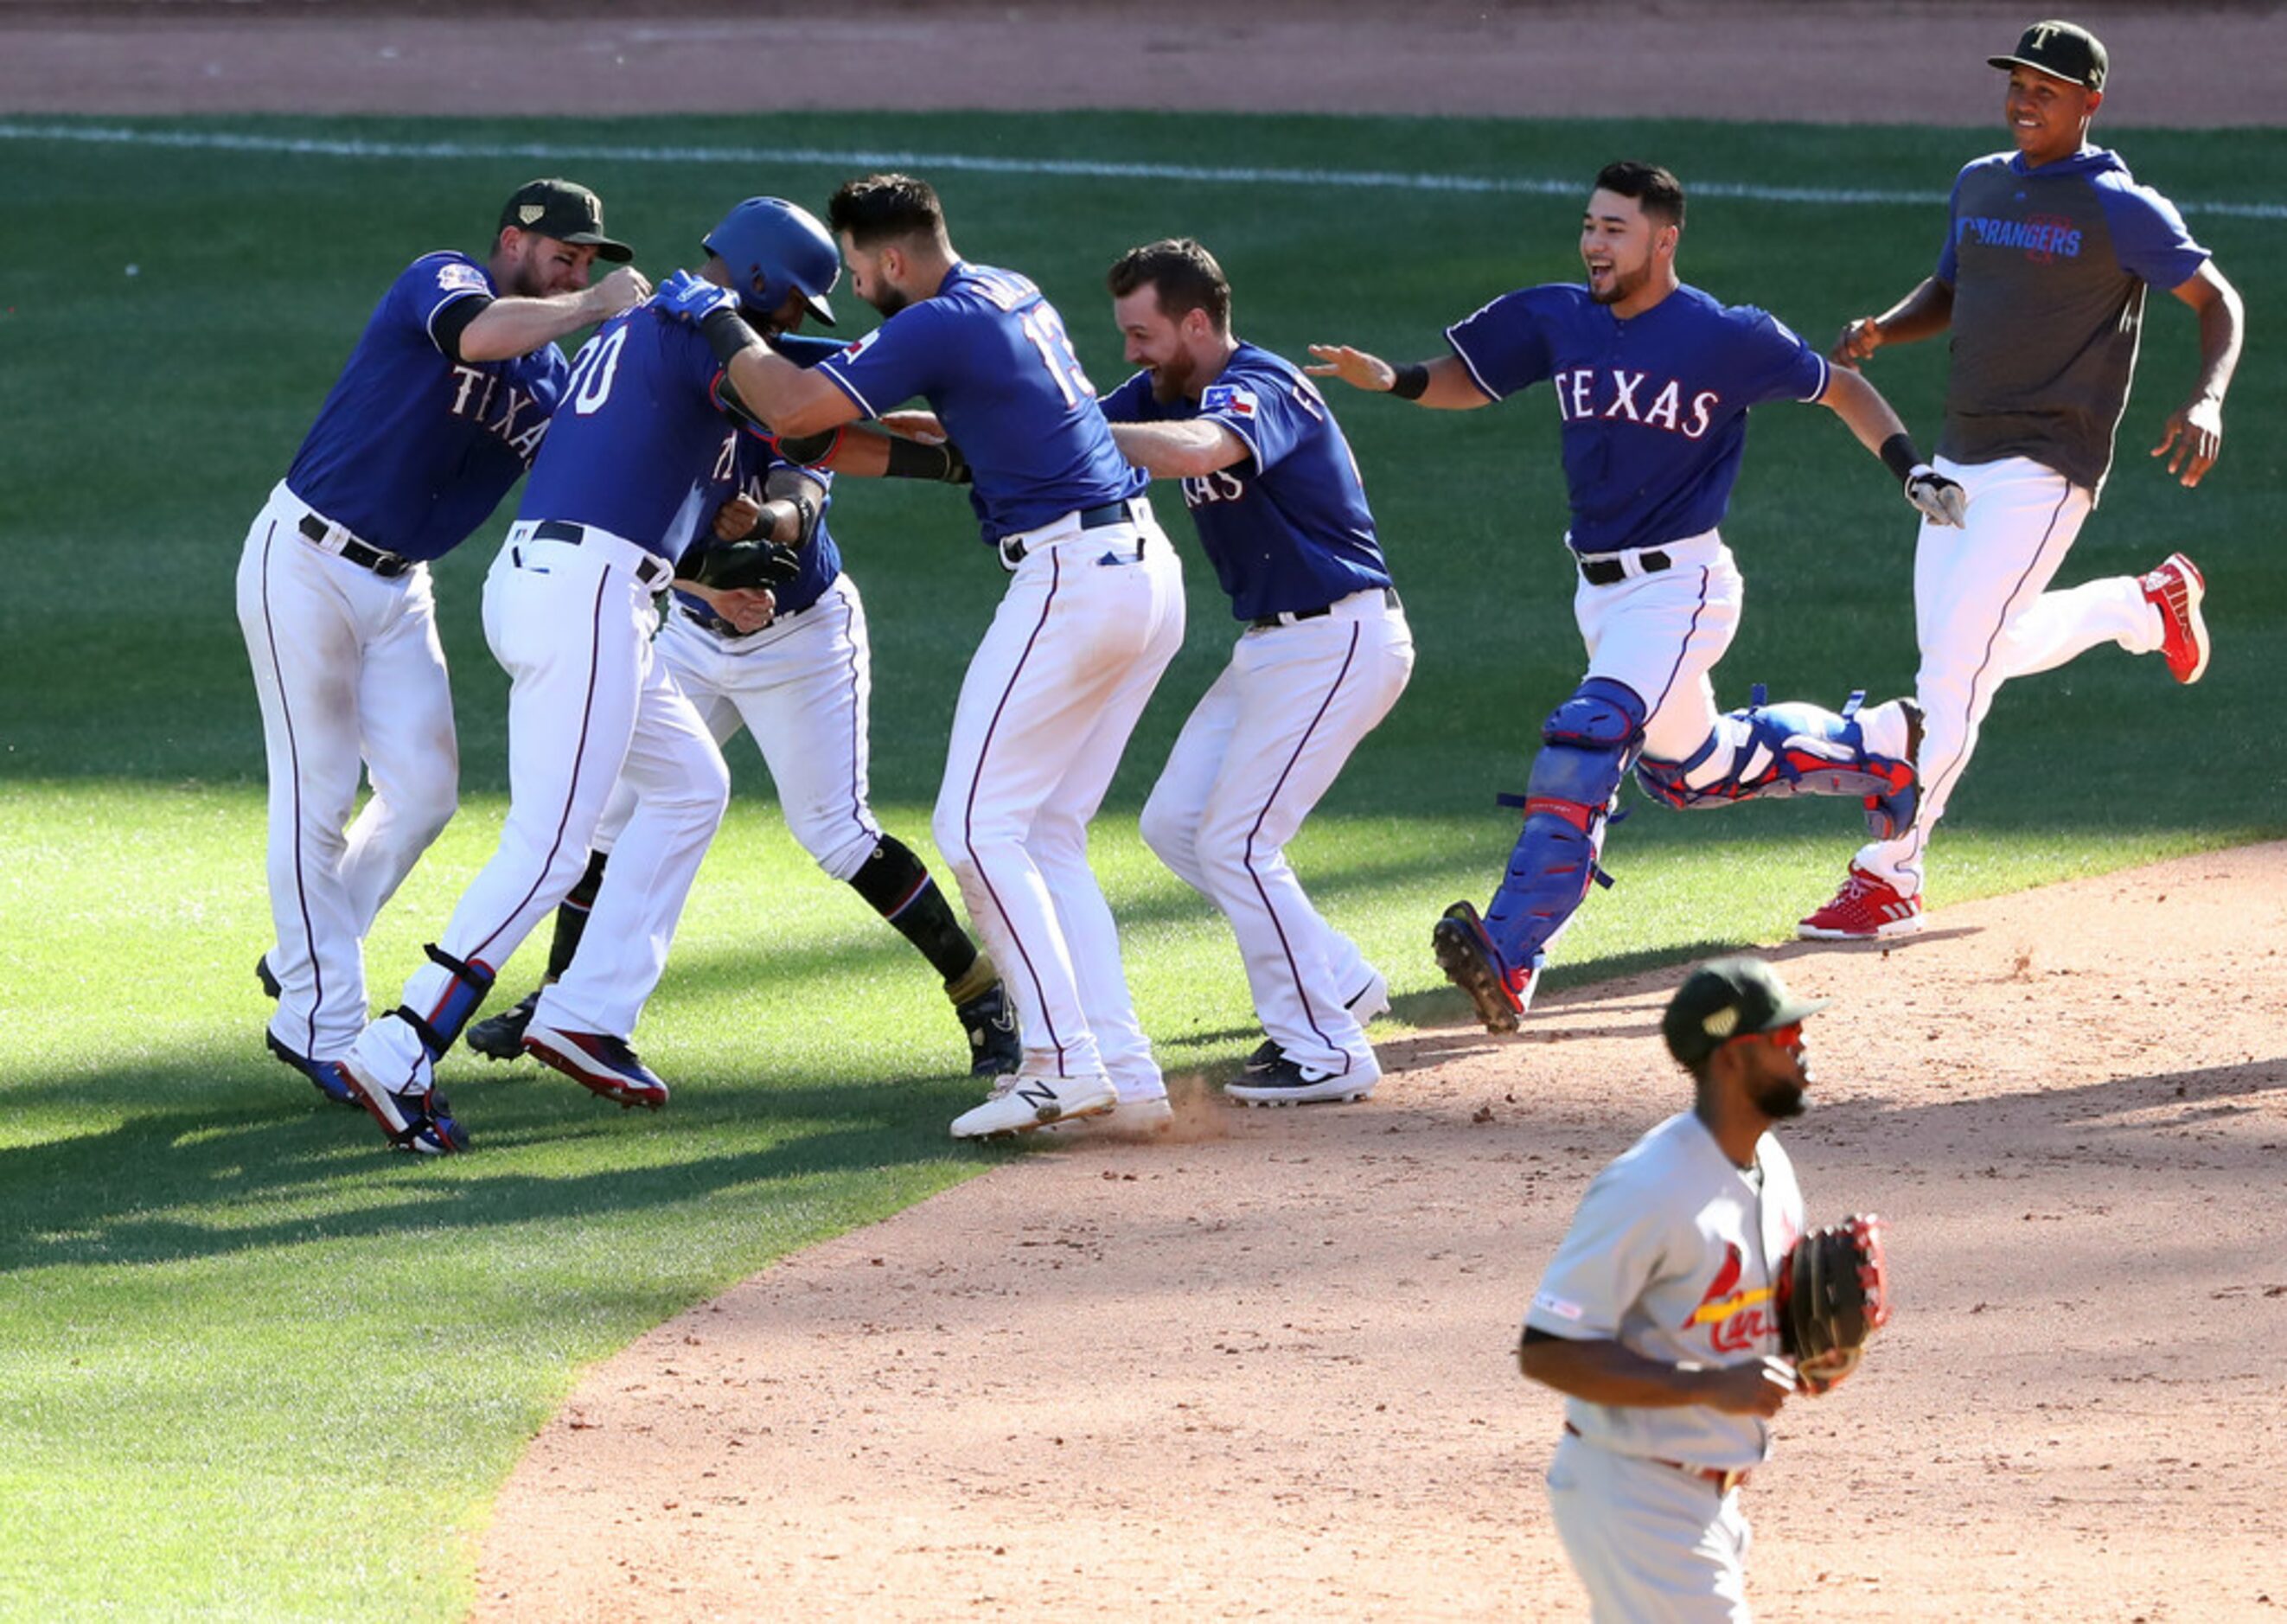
(566, 212)
(1724, 998)
(2064, 48)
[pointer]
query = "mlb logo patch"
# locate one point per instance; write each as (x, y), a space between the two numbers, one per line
(1232, 400)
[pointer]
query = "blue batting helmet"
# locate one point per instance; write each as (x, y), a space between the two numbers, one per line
(774, 248)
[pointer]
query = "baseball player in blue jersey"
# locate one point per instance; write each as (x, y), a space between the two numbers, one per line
(440, 409)
(1282, 515)
(2049, 251)
(614, 500)
(1094, 613)
(795, 669)
(1653, 380)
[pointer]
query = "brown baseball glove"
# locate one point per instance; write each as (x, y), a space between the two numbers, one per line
(1833, 1294)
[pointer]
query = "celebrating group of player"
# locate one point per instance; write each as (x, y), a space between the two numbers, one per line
(693, 445)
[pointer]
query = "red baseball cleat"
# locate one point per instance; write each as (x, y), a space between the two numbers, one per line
(2175, 588)
(1865, 909)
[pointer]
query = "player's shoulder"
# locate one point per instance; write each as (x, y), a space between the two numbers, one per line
(448, 270)
(1987, 163)
(1749, 320)
(1251, 362)
(983, 285)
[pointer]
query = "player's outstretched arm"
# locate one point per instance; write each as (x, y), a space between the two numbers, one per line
(1607, 1372)
(2194, 430)
(1925, 312)
(1178, 450)
(507, 327)
(1443, 384)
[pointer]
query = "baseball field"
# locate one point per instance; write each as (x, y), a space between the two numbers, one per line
(251, 1368)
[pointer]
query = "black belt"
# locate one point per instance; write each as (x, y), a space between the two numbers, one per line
(381, 563)
(1265, 622)
(651, 572)
(1604, 572)
(1090, 518)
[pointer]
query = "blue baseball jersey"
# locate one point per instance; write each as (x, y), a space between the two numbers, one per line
(412, 449)
(2049, 267)
(638, 444)
(1654, 408)
(741, 467)
(1287, 527)
(991, 357)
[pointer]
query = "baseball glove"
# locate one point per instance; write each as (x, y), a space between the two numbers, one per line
(729, 566)
(1833, 1294)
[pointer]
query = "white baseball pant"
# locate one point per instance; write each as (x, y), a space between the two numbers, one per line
(1983, 614)
(1054, 691)
(1261, 747)
(1651, 1543)
(572, 624)
(348, 669)
(1662, 634)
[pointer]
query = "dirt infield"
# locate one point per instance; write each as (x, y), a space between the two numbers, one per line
(1265, 1370)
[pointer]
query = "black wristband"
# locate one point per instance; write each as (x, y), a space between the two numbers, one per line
(726, 333)
(909, 459)
(1412, 382)
(1900, 457)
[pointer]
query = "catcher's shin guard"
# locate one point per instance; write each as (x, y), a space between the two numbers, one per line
(448, 1008)
(1799, 748)
(1587, 743)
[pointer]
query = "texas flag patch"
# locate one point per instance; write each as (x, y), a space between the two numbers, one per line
(1231, 399)
(853, 350)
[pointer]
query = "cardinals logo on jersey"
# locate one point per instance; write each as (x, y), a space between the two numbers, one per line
(1736, 1318)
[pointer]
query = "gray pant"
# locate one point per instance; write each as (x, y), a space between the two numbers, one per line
(1653, 1545)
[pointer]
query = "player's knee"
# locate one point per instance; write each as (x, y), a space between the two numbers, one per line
(1600, 715)
(1168, 830)
(841, 855)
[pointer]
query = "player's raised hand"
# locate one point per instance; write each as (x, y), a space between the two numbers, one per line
(623, 289)
(1355, 367)
(691, 299)
(2194, 434)
(1756, 1388)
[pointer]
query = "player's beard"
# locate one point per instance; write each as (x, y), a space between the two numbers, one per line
(889, 301)
(1782, 1099)
(1171, 379)
(1623, 283)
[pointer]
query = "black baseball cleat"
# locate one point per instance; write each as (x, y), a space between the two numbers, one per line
(1284, 1082)
(501, 1037)
(996, 1048)
(326, 1078)
(1267, 1054)
(269, 979)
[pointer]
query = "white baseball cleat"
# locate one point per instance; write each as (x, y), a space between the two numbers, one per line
(1019, 1104)
(1135, 1116)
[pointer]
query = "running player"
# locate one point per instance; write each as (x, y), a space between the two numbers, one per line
(440, 409)
(1094, 613)
(2048, 253)
(1282, 515)
(1653, 382)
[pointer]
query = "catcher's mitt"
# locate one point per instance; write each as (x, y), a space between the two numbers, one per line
(732, 565)
(1833, 1294)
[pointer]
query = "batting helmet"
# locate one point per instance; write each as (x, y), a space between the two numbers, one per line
(774, 248)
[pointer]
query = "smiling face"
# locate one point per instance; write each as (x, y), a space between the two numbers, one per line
(1623, 248)
(1151, 338)
(2047, 116)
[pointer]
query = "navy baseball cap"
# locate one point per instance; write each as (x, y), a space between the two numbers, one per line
(566, 212)
(2064, 48)
(1725, 998)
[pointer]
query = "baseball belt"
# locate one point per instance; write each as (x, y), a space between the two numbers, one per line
(1604, 572)
(653, 570)
(1724, 1481)
(1014, 548)
(379, 560)
(1265, 622)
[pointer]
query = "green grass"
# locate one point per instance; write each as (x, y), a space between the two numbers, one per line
(250, 1368)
